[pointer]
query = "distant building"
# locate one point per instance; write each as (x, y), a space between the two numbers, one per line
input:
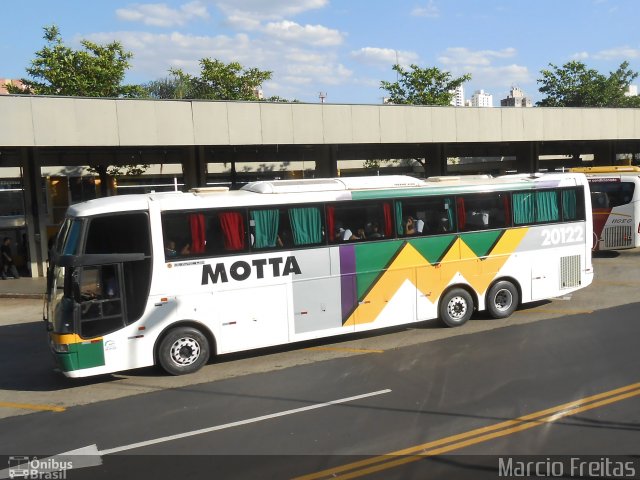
(516, 98)
(632, 91)
(458, 96)
(480, 98)
(4, 82)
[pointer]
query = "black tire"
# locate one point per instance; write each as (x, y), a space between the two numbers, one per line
(456, 307)
(502, 299)
(183, 350)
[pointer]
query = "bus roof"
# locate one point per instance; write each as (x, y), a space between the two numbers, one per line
(320, 190)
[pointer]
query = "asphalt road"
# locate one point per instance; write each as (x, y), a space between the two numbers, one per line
(559, 380)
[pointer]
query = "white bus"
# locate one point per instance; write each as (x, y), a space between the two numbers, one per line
(174, 278)
(615, 198)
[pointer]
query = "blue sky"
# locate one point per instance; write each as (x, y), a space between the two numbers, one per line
(341, 47)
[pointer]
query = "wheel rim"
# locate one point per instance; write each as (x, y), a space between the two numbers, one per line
(457, 308)
(503, 300)
(185, 351)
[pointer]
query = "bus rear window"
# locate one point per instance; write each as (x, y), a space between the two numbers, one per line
(609, 194)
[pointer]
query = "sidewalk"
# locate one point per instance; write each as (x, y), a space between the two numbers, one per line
(24, 287)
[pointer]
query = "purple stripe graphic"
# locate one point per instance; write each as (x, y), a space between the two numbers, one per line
(347, 279)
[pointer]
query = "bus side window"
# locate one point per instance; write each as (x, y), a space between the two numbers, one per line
(306, 227)
(484, 211)
(354, 221)
(269, 228)
(232, 226)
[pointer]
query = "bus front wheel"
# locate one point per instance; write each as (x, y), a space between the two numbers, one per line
(456, 307)
(183, 350)
(502, 299)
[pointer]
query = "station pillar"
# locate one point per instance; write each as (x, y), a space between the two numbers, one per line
(435, 160)
(35, 216)
(194, 168)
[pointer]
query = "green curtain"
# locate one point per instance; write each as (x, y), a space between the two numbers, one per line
(399, 226)
(266, 225)
(523, 208)
(569, 205)
(547, 206)
(306, 224)
(449, 207)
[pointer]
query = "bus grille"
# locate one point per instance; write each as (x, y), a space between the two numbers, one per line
(570, 271)
(617, 237)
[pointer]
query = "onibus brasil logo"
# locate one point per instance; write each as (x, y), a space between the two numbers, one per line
(33, 468)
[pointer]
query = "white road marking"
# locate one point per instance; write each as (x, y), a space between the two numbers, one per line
(90, 456)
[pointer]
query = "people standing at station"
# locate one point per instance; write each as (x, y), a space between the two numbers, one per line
(8, 267)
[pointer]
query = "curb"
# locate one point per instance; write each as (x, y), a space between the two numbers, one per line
(35, 296)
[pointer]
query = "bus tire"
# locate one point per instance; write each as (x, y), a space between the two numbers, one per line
(502, 299)
(456, 307)
(183, 350)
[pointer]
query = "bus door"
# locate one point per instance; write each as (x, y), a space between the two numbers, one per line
(100, 307)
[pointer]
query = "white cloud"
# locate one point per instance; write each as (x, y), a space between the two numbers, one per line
(247, 12)
(618, 53)
(311, 34)
(503, 76)
(465, 56)
(161, 15)
(430, 10)
(580, 56)
(297, 70)
(384, 57)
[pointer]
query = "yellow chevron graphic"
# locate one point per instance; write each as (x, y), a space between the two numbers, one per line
(431, 280)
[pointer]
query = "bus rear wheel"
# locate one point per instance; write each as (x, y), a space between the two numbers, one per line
(502, 299)
(456, 307)
(183, 350)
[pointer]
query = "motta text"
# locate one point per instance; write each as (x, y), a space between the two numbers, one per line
(241, 270)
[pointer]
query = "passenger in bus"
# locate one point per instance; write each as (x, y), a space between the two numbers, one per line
(410, 226)
(170, 249)
(375, 231)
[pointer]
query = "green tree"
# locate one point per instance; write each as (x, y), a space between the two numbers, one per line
(217, 81)
(172, 87)
(575, 85)
(93, 71)
(422, 86)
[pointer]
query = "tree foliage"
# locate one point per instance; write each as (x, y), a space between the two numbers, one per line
(422, 86)
(575, 85)
(217, 81)
(93, 71)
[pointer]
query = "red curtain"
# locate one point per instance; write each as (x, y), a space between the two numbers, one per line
(507, 210)
(388, 222)
(331, 223)
(232, 225)
(462, 215)
(196, 223)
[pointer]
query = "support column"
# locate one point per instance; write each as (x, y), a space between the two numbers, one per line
(194, 168)
(603, 154)
(435, 160)
(528, 157)
(35, 216)
(326, 161)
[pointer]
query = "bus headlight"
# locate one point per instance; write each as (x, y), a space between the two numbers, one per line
(61, 348)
